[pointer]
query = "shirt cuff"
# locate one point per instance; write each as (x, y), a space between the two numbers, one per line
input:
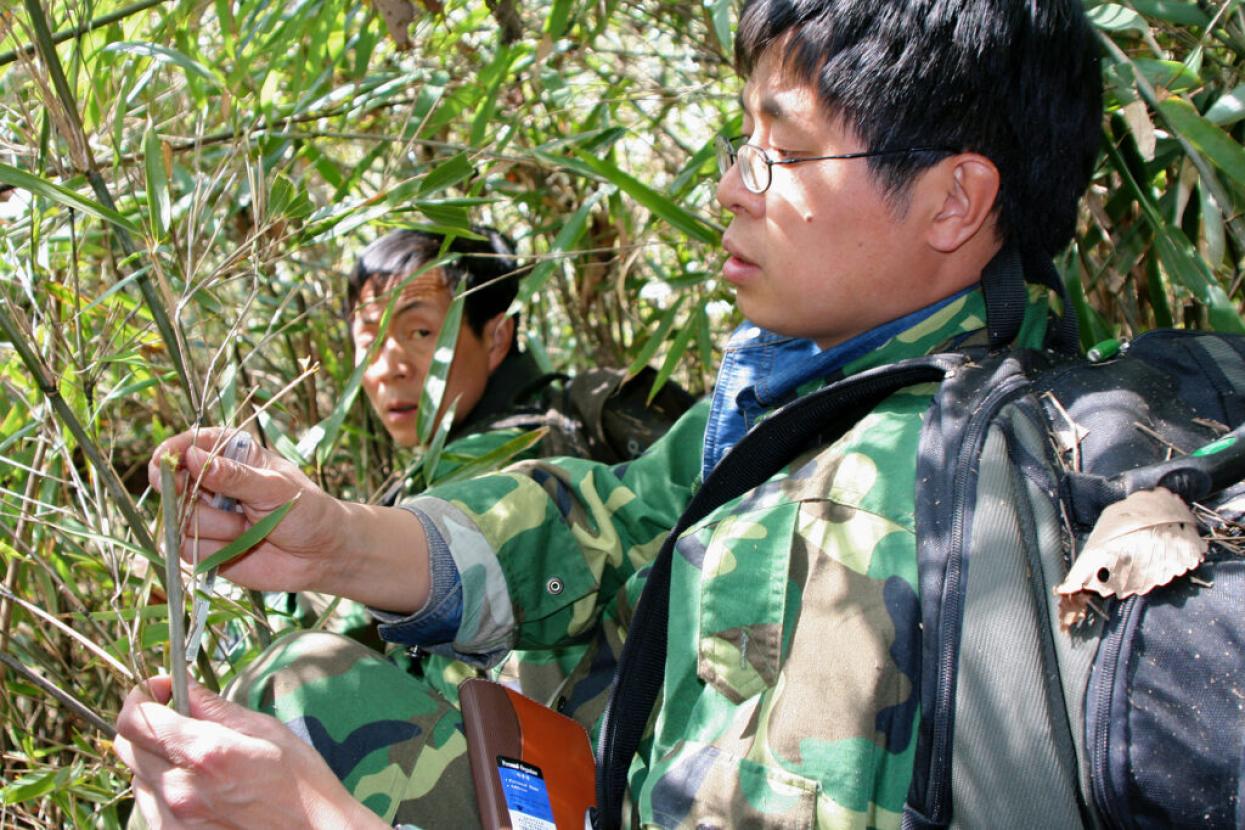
(438, 620)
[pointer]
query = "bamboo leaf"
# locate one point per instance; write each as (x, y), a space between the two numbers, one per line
(1174, 76)
(1111, 17)
(165, 55)
(1173, 11)
(720, 11)
(254, 534)
(447, 174)
(661, 206)
(559, 14)
(31, 787)
(487, 109)
(62, 195)
(677, 350)
(434, 383)
(1178, 256)
(432, 458)
(495, 458)
(1228, 109)
(657, 337)
(1213, 142)
(572, 230)
(158, 208)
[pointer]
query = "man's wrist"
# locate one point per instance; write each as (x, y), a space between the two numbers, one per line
(380, 558)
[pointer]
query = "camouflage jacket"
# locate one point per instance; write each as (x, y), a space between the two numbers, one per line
(601, 414)
(793, 637)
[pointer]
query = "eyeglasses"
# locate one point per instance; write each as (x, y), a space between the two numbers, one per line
(756, 168)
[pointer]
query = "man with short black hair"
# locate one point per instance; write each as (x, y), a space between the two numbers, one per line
(490, 374)
(905, 165)
(497, 393)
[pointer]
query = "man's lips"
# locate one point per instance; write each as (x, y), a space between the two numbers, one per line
(400, 410)
(738, 268)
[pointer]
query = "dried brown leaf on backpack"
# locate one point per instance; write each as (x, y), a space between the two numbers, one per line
(1138, 543)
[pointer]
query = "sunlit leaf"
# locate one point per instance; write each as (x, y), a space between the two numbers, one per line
(164, 54)
(61, 195)
(1228, 108)
(720, 12)
(438, 371)
(253, 535)
(446, 174)
(654, 341)
(1220, 147)
(660, 205)
(158, 206)
(1111, 17)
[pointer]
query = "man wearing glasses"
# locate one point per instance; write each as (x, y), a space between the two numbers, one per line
(899, 155)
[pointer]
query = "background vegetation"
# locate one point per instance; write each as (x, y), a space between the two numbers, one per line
(183, 184)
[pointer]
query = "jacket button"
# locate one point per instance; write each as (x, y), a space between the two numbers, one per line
(554, 586)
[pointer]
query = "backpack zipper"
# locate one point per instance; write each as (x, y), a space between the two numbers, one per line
(948, 647)
(1104, 672)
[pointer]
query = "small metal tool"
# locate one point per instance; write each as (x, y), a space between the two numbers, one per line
(238, 448)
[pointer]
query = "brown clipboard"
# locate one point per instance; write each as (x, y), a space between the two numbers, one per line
(518, 751)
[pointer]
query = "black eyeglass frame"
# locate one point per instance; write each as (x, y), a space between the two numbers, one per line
(728, 156)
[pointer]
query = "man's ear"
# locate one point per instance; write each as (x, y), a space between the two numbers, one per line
(968, 184)
(499, 335)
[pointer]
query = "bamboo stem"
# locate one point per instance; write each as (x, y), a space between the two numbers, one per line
(76, 706)
(173, 585)
(168, 331)
(42, 378)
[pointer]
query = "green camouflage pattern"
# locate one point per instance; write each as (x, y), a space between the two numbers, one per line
(794, 616)
(396, 744)
(793, 638)
(541, 675)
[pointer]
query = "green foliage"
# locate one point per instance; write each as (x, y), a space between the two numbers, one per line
(183, 189)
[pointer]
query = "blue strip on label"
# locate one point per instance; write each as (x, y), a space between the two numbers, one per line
(527, 797)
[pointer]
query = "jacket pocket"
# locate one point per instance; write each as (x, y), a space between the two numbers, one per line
(710, 789)
(742, 600)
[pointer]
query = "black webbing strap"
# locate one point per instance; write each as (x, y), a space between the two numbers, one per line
(1003, 287)
(825, 415)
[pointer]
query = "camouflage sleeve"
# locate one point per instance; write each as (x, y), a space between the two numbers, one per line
(543, 546)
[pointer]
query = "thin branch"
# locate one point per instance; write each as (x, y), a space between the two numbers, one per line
(85, 642)
(43, 379)
(76, 706)
(79, 31)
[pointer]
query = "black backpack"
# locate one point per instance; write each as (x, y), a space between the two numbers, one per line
(1134, 717)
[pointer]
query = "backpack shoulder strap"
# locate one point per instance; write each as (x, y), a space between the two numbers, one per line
(823, 416)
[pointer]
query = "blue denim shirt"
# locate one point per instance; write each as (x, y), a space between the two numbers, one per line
(752, 358)
(760, 370)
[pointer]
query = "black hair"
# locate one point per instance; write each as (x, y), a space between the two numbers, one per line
(1015, 80)
(486, 266)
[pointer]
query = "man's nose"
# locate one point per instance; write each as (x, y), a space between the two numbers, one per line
(733, 196)
(391, 360)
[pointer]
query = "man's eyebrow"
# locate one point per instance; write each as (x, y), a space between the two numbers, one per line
(372, 320)
(416, 303)
(770, 107)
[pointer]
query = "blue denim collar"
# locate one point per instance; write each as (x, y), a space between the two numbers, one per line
(762, 369)
(781, 384)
